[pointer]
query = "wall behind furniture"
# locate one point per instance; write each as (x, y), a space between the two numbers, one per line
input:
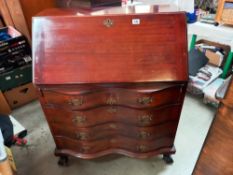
(185, 5)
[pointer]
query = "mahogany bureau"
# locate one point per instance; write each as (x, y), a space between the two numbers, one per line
(111, 80)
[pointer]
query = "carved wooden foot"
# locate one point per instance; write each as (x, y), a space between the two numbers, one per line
(63, 161)
(167, 158)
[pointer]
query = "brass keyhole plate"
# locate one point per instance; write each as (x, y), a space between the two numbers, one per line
(108, 22)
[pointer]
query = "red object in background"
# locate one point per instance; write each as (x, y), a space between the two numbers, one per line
(19, 141)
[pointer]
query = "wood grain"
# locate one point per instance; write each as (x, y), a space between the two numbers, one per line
(216, 156)
(2, 24)
(101, 52)
(108, 84)
(111, 130)
(222, 16)
(108, 114)
(70, 152)
(135, 97)
(31, 8)
(18, 17)
(5, 13)
(121, 143)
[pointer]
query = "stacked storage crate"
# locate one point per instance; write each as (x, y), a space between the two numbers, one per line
(208, 79)
(15, 68)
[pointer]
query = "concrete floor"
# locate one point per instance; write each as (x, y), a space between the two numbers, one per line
(38, 158)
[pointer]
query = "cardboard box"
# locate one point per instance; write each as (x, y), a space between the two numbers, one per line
(214, 58)
(21, 95)
(4, 106)
(226, 49)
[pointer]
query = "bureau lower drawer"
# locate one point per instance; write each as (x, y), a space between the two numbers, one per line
(119, 142)
(106, 114)
(114, 129)
(136, 97)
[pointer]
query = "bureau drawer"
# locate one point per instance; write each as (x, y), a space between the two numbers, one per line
(136, 97)
(118, 142)
(106, 114)
(114, 129)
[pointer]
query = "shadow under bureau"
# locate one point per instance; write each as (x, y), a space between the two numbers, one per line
(111, 80)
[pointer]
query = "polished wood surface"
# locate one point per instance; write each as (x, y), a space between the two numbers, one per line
(118, 142)
(108, 114)
(227, 101)
(53, 46)
(107, 85)
(19, 13)
(217, 154)
(123, 122)
(86, 151)
(113, 129)
(135, 97)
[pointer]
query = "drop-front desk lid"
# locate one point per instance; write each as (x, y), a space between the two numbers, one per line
(118, 44)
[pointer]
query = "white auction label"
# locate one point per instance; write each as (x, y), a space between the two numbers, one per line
(135, 21)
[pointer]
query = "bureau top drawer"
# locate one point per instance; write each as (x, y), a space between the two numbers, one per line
(129, 96)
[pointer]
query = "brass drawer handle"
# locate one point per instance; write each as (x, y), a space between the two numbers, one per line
(82, 136)
(145, 119)
(76, 102)
(113, 141)
(142, 148)
(145, 100)
(84, 149)
(144, 135)
(111, 101)
(79, 119)
(113, 126)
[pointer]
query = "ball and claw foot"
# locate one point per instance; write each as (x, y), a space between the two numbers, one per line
(168, 159)
(63, 161)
